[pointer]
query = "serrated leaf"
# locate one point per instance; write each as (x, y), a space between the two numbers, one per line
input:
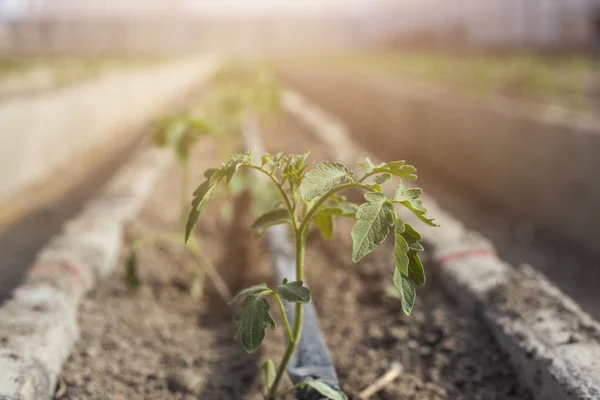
(338, 206)
(383, 178)
(401, 249)
(409, 198)
(407, 291)
(231, 166)
(253, 320)
(211, 174)
(326, 390)
(414, 268)
(322, 178)
(416, 272)
(374, 220)
(325, 224)
(255, 289)
(131, 275)
(270, 218)
(269, 373)
(397, 168)
(412, 237)
(191, 222)
(294, 292)
(201, 196)
(367, 165)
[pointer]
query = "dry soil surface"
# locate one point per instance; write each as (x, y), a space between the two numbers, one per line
(160, 343)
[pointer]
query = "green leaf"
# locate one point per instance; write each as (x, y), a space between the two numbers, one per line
(273, 217)
(383, 178)
(397, 168)
(212, 175)
(269, 373)
(201, 196)
(412, 237)
(401, 249)
(322, 178)
(338, 206)
(325, 224)
(231, 166)
(374, 220)
(407, 291)
(326, 390)
(261, 287)
(413, 269)
(294, 292)
(131, 275)
(409, 198)
(253, 320)
(367, 165)
(416, 272)
(191, 222)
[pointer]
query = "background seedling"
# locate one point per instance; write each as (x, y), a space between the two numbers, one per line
(312, 196)
(181, 134)
(235, 92)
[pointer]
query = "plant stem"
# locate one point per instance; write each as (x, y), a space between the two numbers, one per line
(284, 195)
(300, 244)
(307, 218)
(286, 322)
(366, 176)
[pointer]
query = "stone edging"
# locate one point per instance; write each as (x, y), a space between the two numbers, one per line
(554, 345)
(38, 326)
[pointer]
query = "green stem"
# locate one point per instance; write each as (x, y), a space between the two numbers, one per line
(310, 214)
(300, 243)
(366, 176)
(285, 197)
(286, 322)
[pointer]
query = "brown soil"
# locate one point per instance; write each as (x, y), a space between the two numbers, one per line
(161, 344)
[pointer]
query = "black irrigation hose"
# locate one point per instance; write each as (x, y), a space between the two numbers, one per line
(311, 359)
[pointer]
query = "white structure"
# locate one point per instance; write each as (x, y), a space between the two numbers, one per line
(489, 22)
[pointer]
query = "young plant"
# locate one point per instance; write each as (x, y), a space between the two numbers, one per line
(313, 196)
(234, 93)
(181, 134)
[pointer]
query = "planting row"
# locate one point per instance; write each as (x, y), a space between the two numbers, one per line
(162, 327)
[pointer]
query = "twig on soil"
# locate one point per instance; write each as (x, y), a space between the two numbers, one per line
(387, 378)
(210, 270)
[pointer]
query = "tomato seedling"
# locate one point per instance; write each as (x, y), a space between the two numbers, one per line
(312, 196)
(181, 134)
(234, 93)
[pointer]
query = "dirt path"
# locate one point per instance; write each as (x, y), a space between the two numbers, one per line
(52, 203)
(161, 344)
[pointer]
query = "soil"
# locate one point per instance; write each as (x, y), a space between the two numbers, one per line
(160, 343)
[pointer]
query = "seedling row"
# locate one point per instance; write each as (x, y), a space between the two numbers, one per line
(163, 328)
